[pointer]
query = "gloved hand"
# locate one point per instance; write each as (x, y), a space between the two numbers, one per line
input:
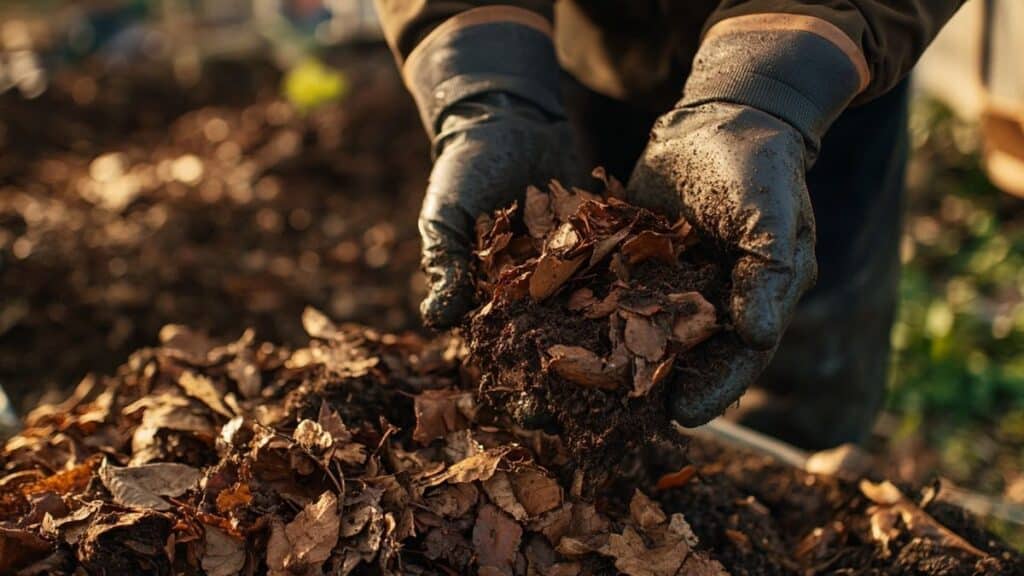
(731, 158)
(489, 150)
(487, 84)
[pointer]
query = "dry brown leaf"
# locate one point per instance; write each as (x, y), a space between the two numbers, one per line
(695, 319)
(551, 273)
(536, 491)
(581, 299)
(634, 558)
(202, 388)
(246, 374)
(645, 512)
(537, 214)
(581, 366)
(438, 413)
(605, 246)
(186, 344)
(564, 239)
(236, 496)
(19, 548)
(606, 306)
(648, 245)
(452, 500)
(499, 490)
(563, 202)
(699, 564)
(644, 337)
(305, 543)
(224, 555)
(496, 539)
(525, 493)
(142, 486)
(479, 466)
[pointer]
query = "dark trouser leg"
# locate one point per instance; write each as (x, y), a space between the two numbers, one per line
(827, 381)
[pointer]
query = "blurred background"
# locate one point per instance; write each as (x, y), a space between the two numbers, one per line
(222, 164)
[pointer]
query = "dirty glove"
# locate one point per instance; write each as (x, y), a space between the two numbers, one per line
(731, 158)
(489, 97)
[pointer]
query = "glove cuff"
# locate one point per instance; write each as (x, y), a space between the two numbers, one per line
(490, 49)
(798, 75)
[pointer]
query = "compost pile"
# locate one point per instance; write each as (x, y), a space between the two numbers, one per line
(366, 453)
(609, 299)
(128, 201)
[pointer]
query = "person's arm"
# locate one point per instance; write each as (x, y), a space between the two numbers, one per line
(888, 36)
(487, 84)
(769, 79)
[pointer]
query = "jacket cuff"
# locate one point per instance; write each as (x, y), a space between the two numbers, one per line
(798, 76)
(467, 57)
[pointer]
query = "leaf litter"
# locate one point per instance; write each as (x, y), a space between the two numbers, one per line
(369, 453)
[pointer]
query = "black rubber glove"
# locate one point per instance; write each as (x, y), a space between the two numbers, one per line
(489, 96)
(731, 158)
(489, 150)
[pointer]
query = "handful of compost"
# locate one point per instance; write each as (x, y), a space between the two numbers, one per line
(600, 319)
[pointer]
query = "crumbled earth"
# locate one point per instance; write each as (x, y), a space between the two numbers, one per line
(367, 453)
(590, 305)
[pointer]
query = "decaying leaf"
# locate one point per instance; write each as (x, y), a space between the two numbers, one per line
(202, 388)
(142, 486)
(525, 493)
(644, 337)
(439, 412)
(583, 367)
(19, 548)
(476, 467)
(223, 555)
(452, 500)
(496, 539)
(644, 512)
(551, 273)
(634, 558)
(582, 299)
(565, 203)
(234, 497)
(537, 214)
(648, 245)
(695, 319)
(305, 543)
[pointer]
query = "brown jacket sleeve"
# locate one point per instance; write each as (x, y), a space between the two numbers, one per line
(407, 22)
(890, 34)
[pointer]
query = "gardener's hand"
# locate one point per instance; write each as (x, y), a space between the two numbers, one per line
(489, 150)
(731, 158)
(487, 85)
